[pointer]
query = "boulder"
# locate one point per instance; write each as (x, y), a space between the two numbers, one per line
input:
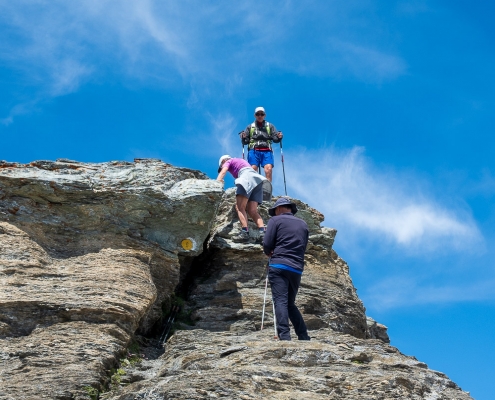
(89, 254)
(74, 208)
(376, 330)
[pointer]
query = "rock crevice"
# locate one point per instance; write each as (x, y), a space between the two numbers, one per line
(228, 283)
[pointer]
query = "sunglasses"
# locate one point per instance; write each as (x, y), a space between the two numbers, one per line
(259, 114)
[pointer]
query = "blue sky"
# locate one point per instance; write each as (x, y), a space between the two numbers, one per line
(387, 112)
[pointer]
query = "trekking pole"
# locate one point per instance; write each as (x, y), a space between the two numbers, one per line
(170, 323)
(283, 168)
(264, 297)
(240, 133)
(177, 308)
(274, 320)
(166, 324)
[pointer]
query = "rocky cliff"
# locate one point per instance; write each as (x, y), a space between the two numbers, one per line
(95, 259)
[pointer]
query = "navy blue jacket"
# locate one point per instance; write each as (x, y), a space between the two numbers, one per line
(287, 236)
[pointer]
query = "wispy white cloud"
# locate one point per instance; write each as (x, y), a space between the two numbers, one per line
(17, 110)
(395, 207)
(222, 131)
(46, 43)
(367, 63)
(216, 48)
(161, 30)
(401, 291)
(67, 76)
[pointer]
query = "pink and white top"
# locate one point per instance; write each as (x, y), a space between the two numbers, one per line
(235, 165)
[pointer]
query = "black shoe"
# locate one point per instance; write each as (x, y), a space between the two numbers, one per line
(262, 234)
(304, 337)
(241, 237)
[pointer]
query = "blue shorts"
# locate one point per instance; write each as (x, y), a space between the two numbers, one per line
(260, 157)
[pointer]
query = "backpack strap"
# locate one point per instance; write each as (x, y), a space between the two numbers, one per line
(253, 128)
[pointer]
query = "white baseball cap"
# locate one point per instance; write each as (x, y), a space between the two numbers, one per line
(259, 109)
(225, 157)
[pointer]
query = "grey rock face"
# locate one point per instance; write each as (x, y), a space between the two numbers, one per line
(58, 361)
(74, 208)
(90, 252)
(38, 290)
(228, 287)
(71, 209)
(200, 364)
(376, 330)
(65, 321)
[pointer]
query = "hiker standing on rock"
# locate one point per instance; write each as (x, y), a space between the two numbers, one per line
(259, 137)
(285, 243)
(249, 193)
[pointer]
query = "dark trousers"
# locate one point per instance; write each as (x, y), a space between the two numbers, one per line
(285, 285)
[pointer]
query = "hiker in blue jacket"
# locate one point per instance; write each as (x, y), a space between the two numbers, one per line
(259, 137)
(285, 243)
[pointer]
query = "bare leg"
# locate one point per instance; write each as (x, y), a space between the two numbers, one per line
(268, 171)
(252, 210)
(241, 202)
(255, 167)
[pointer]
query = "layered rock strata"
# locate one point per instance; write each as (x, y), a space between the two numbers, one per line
(201, 364)
(89, 253)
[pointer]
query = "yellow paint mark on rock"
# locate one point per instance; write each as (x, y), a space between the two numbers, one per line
(187, 244)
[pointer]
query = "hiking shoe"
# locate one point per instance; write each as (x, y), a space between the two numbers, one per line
(262, 234)
(242, 236)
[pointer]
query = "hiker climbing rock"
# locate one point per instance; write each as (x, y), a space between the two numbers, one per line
(249, 193)
(259, 137)
(285, 243)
